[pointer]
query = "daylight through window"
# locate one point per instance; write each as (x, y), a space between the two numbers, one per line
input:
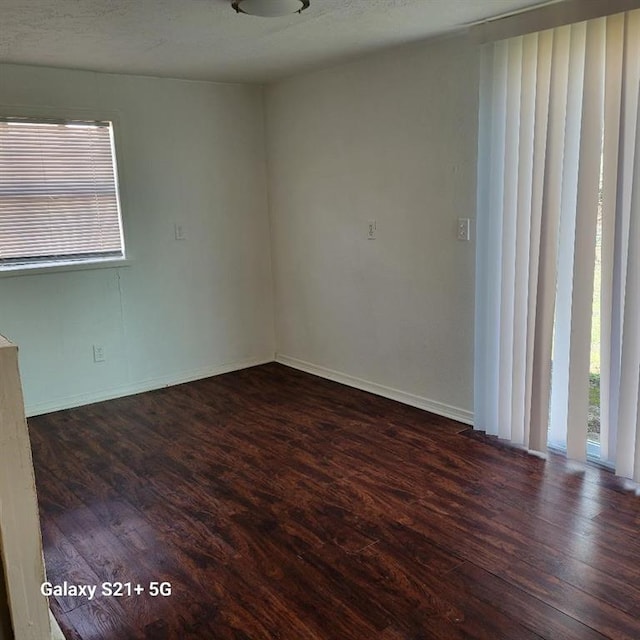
(58, 193)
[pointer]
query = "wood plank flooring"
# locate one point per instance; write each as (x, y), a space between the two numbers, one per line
(279, 505)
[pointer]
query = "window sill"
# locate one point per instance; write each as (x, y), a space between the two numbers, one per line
(61, 267)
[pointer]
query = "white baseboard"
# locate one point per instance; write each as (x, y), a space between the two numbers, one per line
(140, 387)
(439, 408)
(56, 633)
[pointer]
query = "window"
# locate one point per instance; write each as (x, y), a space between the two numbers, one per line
(558, 234)
(59, 199)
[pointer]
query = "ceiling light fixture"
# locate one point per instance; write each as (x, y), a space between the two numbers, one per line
(270, 8)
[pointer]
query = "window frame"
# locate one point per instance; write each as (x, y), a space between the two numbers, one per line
(90, 262)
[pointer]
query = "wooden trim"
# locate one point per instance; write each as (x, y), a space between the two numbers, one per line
(56, 632)
(5, 616)
(20, 538)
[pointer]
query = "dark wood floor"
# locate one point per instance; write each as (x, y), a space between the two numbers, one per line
(279, 505)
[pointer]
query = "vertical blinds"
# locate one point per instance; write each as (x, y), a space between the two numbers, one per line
(559, 149)
(58, 191)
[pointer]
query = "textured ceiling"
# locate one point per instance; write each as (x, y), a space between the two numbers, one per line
(206, 40)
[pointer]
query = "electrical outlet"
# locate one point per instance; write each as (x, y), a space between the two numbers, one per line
(98, 353)
(371, 230)
(179, 232)
(464, 229)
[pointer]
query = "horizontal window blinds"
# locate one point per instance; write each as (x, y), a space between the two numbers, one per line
(58, 191)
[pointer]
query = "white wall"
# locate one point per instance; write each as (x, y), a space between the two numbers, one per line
(390, 137)
(188, 152)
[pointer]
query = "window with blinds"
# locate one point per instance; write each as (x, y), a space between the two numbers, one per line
(58, 193)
